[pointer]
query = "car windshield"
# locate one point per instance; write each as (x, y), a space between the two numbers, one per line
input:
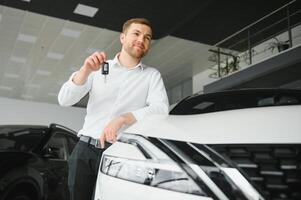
(20, 138)
(236, 99)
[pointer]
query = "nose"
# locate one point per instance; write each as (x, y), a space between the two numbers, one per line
(140, 38)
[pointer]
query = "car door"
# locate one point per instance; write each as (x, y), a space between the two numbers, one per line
(56, 155)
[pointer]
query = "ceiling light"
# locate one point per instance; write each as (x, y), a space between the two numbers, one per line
(91, 50)
(70, 33)
(73, 69)
(61, 82)
(33, 86)
(2, 87)
(27, 38)
(43, 72)
(85, 10)
(18, 59)
(26, 0)
(9, 75)
(52, 94)
(56, 56)
(26, 96)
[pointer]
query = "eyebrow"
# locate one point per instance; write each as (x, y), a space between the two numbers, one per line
(149, 35)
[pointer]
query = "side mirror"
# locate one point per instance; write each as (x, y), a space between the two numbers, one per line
(50, 152)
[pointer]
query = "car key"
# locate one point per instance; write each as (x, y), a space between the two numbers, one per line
(105, 70)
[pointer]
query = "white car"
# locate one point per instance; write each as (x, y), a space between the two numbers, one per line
(229, 145)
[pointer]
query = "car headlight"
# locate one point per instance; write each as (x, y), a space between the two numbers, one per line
(124, 161)
(161, 175)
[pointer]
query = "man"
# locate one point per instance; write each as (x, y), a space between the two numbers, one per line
(129, 93)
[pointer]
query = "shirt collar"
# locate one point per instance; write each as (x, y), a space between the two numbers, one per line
(118, 64)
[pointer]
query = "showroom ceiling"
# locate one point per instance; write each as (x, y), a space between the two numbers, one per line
(43, 41)
(206, 21)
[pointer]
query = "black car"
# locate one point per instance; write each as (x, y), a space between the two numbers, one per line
(33, 162)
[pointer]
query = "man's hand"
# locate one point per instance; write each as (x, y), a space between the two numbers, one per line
(110, 132)
(93, 63)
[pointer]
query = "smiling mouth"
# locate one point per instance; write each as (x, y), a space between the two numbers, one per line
(139, 46)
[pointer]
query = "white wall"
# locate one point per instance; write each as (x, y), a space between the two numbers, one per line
(200, 80)
(14, 111)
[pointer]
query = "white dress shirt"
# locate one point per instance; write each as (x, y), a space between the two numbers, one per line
(139, 90)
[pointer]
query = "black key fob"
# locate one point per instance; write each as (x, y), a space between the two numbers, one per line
(105, 68)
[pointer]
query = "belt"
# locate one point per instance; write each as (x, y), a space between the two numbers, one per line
(89, 140)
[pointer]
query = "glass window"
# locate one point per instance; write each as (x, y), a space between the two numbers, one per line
(20, 139)
(57, 147)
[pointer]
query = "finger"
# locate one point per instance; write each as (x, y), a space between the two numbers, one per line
(89, 62)
(103, 55)
(99, 57)
(95, 60)
(102, 140)
(109, 136)
(114, 136)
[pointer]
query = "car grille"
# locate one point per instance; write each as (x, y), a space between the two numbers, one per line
(275, 170)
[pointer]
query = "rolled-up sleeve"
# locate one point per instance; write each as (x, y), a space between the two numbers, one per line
(70, 93)
(157, 100)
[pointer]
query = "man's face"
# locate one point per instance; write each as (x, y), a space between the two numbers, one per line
(136, 40)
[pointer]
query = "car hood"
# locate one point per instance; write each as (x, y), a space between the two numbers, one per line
(267, 125)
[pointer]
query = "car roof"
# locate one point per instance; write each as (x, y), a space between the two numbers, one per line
(236, 99)
(279, 124)
(16, 127)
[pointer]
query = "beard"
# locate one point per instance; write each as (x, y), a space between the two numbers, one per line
(135, 52)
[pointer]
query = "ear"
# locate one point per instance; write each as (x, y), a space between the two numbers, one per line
(122, 36)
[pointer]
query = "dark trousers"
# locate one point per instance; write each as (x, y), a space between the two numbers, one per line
(83, 168)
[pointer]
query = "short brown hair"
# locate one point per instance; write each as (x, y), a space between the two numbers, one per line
(127, 24)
